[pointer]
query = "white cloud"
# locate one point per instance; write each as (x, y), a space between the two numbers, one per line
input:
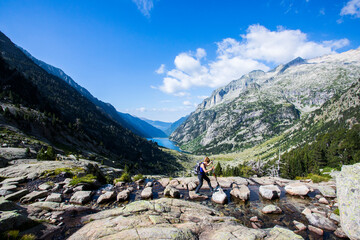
(144, 6)
(337, 44)
(161, 69)
(200, 53)
(141, 109)
(259, 48)
(182, 94)
(187, 103)
(351, 8)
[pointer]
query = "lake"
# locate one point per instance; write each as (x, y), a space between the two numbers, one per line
(165, 142)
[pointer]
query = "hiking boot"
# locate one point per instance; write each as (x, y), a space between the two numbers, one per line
(211, 190)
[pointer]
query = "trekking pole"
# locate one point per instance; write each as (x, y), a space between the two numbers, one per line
(217, 186)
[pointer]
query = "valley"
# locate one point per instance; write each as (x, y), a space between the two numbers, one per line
(285, 146)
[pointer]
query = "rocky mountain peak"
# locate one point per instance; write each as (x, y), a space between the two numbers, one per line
(260, 104)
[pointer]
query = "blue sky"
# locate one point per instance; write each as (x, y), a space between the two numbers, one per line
(159, 58)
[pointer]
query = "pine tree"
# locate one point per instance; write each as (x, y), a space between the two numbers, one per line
(218, 169)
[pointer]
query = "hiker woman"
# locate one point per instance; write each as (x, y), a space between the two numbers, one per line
(202, 175)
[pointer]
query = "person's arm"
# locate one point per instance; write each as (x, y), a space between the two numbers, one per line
(206, 171)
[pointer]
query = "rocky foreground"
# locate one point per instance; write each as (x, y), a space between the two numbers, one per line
(40, 198)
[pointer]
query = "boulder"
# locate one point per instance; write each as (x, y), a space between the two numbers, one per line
(191, 186)
(11, 153)
(33, 196)
(316, 230)
(6, 205)
(194, 196)
(241, 191)
(219, 197)
(271, 209)
(340, 233)
(298, 189)
(334, 217)
(299, 226)
(306, 211)
(49, 206)
(79, 188)
(264, 180)
(170, 191)
(164, 181)
(106, 197)
(348, 195)
(45, 186)
(323, 201)
(233, 232)
(57, 187)
(149, 184)
(123, 196)
(269, 191)
(7, 189)
(14, 180)
(16, 195)
(327, 191)
(281, 233)
(320, 221)
(225, 182)
(174, 182)
(239, 181)
(54, 197)
(147, 193)
(10, 220)
(81, 197)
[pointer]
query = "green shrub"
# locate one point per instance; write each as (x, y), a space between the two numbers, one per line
(28, 237)
(315, 178)
(72, 171)
(12, 234)
(49, 154)
(51, 183)
(89, 178)
(125, 177)
(337, 211)
(138, 177)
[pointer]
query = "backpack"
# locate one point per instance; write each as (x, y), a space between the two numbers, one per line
(197, 168)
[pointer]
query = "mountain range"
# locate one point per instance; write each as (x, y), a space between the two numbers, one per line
(135, 124)
(166, 127)
(261, 105)
(47, 108)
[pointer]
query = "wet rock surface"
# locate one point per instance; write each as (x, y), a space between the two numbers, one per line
(171, 219)
(241, 191)
(219, 196)
(270, 192)
(298, 189)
